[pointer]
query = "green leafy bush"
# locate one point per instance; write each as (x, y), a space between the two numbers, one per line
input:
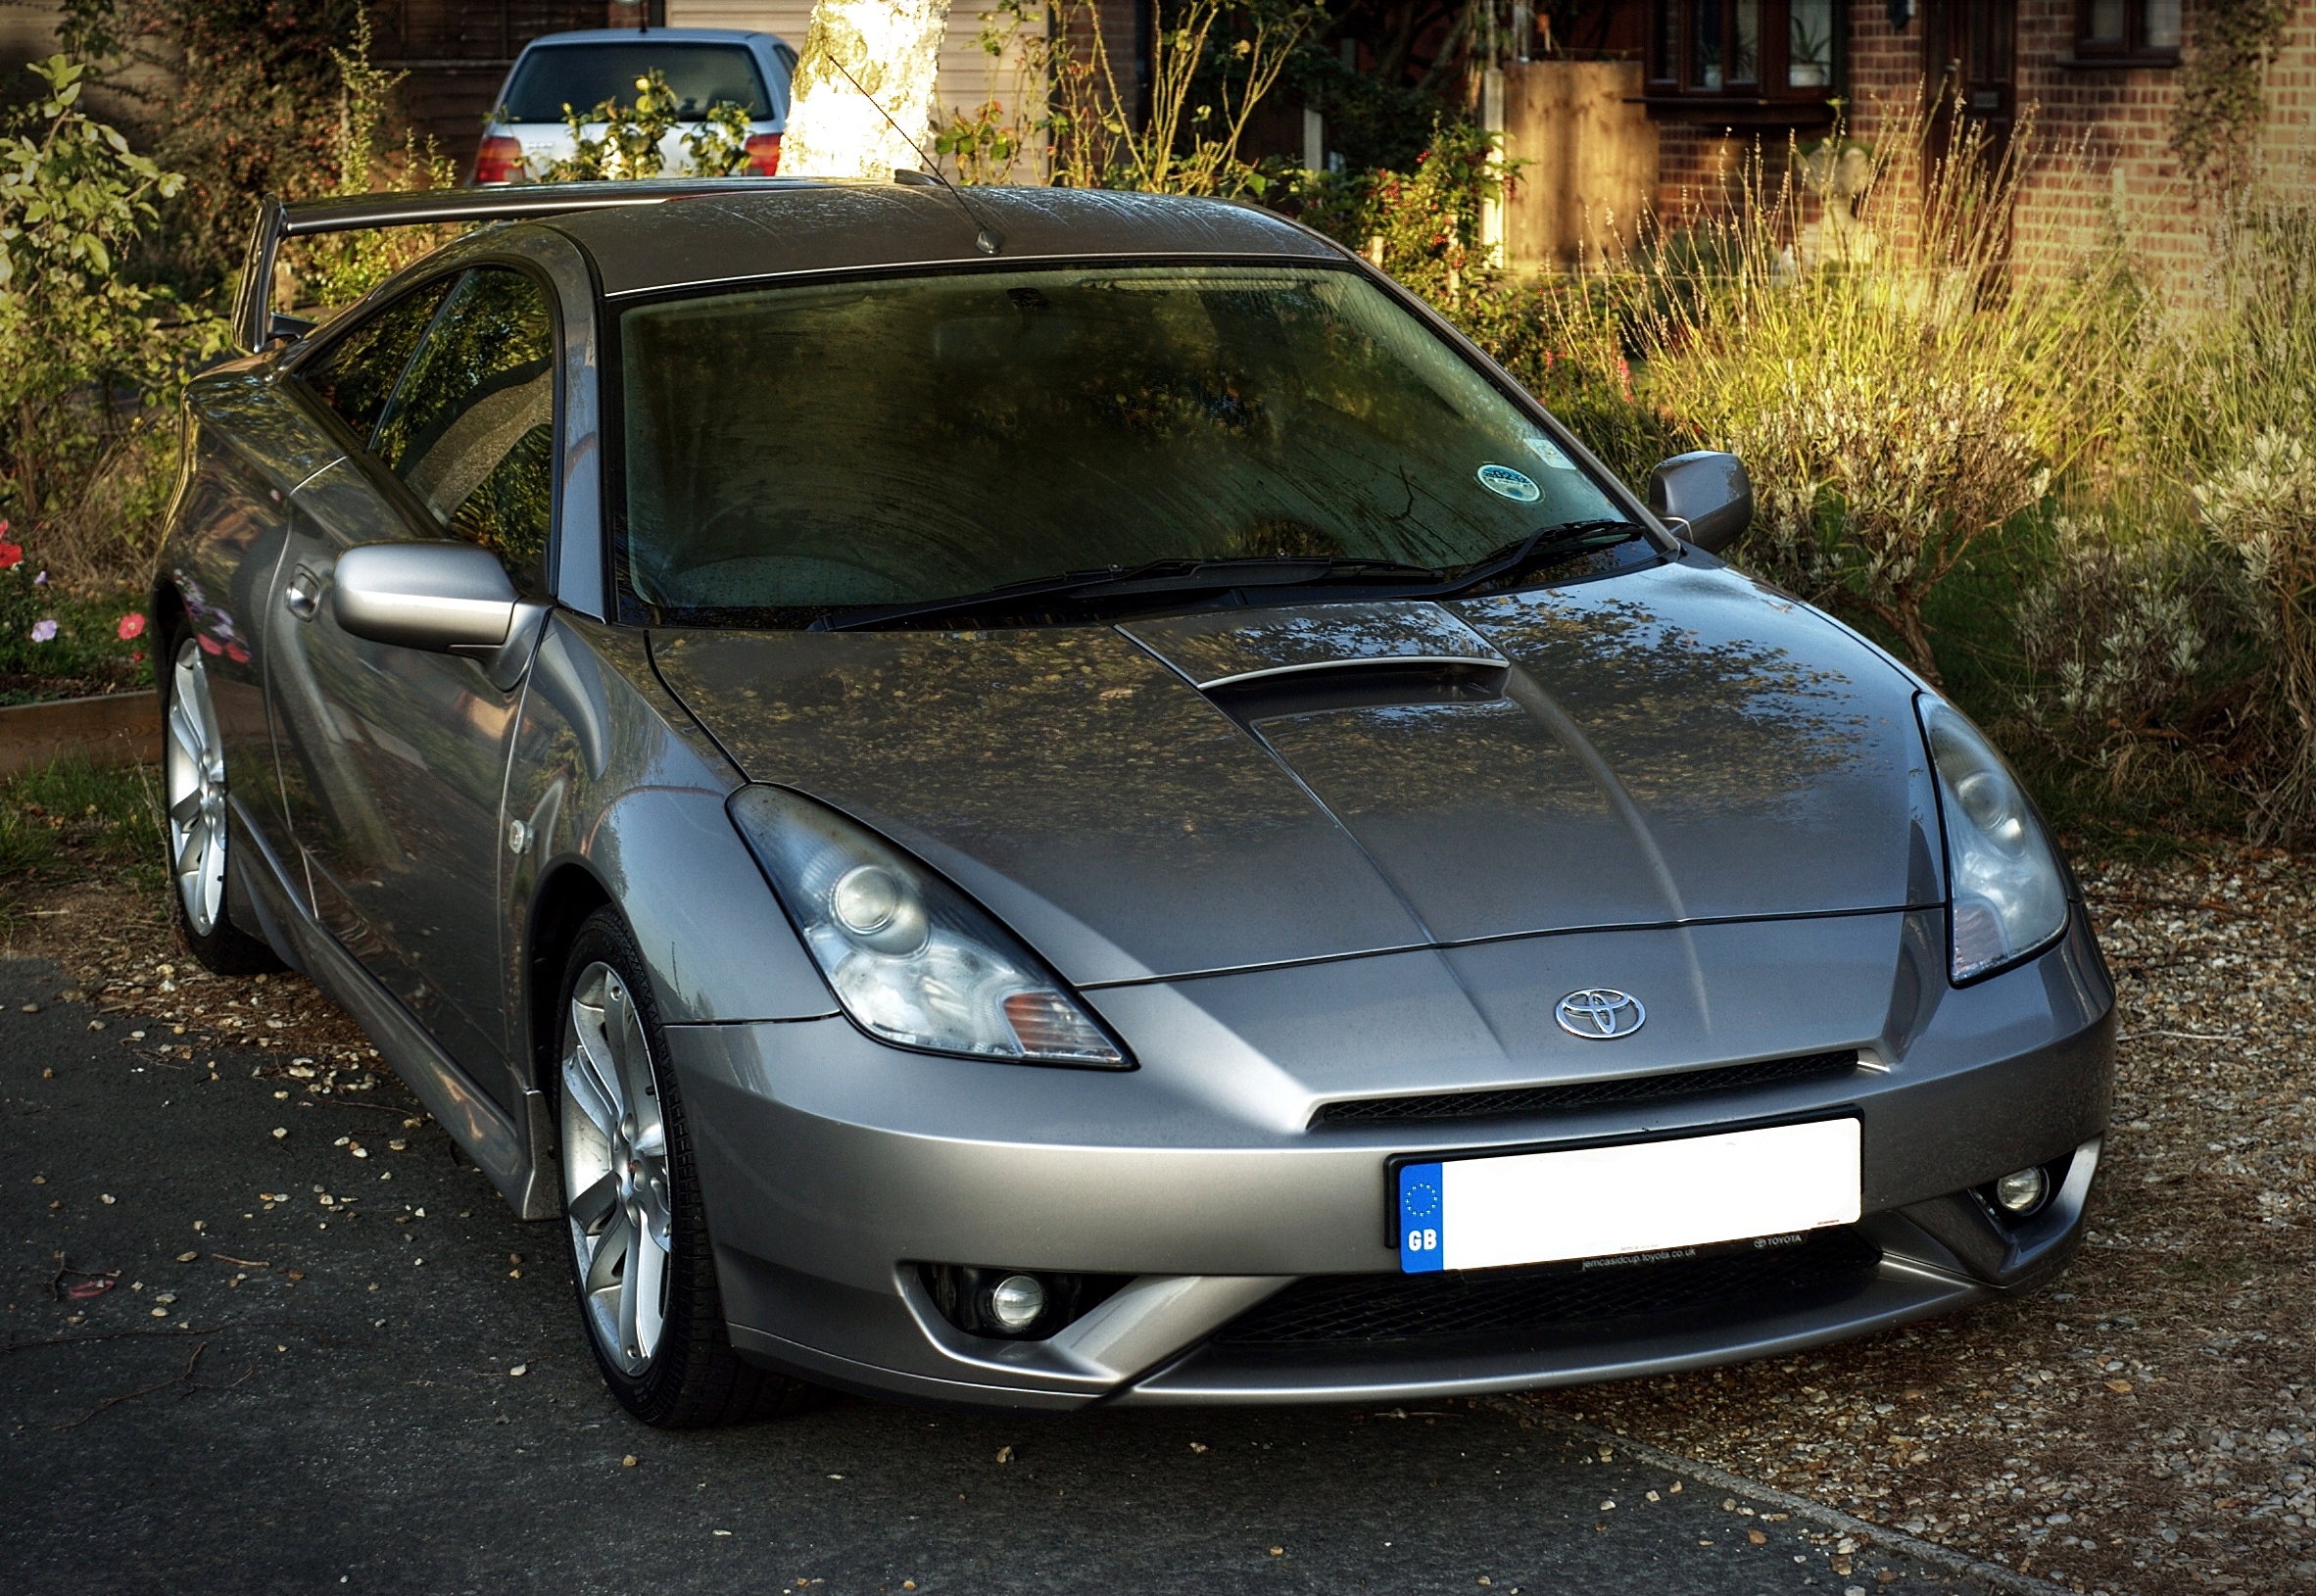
(332, 270)
(90, 361)
(628, 147)
(1422, 225)
(239, 97)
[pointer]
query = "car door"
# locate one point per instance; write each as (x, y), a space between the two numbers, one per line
(403, 753)
(334, 398)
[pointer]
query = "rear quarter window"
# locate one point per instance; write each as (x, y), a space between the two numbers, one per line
(583, 76)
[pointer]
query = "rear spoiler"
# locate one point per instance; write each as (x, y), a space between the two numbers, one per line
(256, 323)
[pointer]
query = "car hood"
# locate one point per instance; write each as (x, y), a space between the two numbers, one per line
(1231, 789)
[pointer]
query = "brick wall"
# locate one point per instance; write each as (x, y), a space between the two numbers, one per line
(2104, 134)
(1698, 169)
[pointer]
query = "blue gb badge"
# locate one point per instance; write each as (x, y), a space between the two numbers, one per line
(1422, 1215)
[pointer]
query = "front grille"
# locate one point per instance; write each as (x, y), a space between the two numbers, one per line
(1470, 1106)
(1356, 1309)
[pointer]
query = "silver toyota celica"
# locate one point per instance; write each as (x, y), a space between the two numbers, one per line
(1041, 798)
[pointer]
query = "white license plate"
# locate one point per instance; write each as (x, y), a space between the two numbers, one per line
(1644, 1196)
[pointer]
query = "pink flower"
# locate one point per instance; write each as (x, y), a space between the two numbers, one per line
(137, 658)
(44, 630)
(209, 644)
(237, 654)
(131, 625)
(11, 554)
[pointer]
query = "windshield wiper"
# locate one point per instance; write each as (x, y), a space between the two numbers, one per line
(1178, 575)
(1192, 575)
(1544, 543)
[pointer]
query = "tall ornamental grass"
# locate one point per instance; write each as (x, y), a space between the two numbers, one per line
(1894, 389)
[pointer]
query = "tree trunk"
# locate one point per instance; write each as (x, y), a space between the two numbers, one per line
(845, 126)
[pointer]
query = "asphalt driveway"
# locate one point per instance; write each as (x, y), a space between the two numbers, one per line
(262, 1340)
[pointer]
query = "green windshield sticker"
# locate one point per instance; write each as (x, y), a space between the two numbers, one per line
(1512, 484)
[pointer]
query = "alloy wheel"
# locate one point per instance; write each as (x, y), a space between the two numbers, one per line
(616, 1174)
(196, 786)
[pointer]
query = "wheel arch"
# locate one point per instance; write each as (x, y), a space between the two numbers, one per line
(565, 897)
(165, 604)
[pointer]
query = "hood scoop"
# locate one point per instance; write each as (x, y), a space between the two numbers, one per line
(1276, 663)
(1220, 650)
(1358, 684)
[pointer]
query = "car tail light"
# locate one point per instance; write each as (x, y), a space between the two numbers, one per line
(764, 155)
(499, 160)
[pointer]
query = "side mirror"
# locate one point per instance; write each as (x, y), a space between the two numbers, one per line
(445, 598)
(1706, 495)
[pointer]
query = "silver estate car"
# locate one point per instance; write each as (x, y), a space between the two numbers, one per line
(703, 67)
(1038, 798)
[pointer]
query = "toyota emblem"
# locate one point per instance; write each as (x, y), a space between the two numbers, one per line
(1601, 1014)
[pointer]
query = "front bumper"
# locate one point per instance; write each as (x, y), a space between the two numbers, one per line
(832, 1164)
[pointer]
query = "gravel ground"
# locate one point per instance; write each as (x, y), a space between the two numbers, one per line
(2145, 1424)
(2148, 1421)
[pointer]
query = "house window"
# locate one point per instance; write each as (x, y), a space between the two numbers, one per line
(1753, 62)
(2141, 32)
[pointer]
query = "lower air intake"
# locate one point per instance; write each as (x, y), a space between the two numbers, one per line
(1636, 1088)
(1366, 1309)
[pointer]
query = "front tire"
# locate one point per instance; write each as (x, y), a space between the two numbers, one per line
(193, 827)
(641, 1263)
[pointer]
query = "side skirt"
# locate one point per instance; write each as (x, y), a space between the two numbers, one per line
(501, 1147)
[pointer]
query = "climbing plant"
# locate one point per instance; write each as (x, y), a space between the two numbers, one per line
(2221, 85)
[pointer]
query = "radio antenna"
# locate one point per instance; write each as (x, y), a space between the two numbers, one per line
(986, 239)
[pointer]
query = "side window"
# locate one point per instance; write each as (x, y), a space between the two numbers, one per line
(471, 428)
(356, 375)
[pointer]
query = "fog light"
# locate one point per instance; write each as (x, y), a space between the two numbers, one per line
(1016, 1301)
(2022, 1192)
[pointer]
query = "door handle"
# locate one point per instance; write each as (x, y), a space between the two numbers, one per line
(303, 596)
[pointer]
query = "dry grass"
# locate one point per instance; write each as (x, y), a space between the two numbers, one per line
(1853, 333)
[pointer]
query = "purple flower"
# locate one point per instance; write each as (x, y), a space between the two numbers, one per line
(44, 630)
(41, 580)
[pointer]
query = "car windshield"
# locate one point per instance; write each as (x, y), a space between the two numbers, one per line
(583, 76)
(892, 442)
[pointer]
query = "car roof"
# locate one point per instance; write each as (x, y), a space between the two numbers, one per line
(781, 227)
(657, 35)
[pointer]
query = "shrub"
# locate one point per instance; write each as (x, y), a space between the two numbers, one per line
(2263, 507)
(2230, 382)
(1896, 392)
(1211, 64)
(628, 147)
(2132, 634)
(90, 361)
(1424, 223)
(248, 108)
(332, 270)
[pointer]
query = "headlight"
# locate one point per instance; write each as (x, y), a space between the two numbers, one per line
(911, 958)
(2006, 898)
